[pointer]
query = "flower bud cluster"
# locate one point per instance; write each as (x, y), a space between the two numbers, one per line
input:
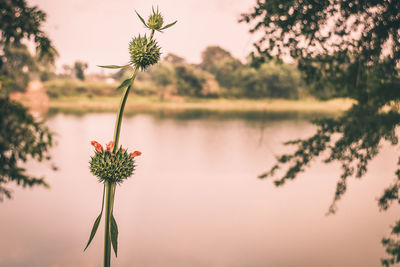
(112, 167)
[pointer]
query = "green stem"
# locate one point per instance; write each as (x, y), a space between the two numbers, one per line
(151, 35)
(110, 189)
(121, 111)
(109, 186)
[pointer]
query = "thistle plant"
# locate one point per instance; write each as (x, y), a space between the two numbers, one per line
(114, 164)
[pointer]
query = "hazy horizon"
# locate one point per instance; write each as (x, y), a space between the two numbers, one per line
(98, 32)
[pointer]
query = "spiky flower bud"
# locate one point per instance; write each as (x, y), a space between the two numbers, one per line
(112, 167)
(155, 21)
(144, 53)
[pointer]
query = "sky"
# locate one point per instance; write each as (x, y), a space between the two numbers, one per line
(99, 31)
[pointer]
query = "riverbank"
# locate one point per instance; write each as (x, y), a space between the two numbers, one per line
(146, 104)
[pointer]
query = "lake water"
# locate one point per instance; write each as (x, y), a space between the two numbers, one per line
(195, 199)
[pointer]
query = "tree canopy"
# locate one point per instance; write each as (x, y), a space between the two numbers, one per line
(79, 69)
(343, 48)
(21, 136)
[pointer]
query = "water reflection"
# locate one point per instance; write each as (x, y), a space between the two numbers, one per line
(195, 199)
(192, 114)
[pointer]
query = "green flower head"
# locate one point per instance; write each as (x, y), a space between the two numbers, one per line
(112, 167)
(155, 21)
(144, 52)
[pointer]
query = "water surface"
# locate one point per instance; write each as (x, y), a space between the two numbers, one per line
(195, 199)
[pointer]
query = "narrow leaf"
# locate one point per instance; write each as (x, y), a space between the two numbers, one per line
(125, 83)
(112, 66)
(114, 234)
(141, 19)
(94, 229)
(97, 221)
(169, 25)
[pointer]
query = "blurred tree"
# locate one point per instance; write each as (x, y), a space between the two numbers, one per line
(21, 136)
(211, 55)
(226, 71)
(282, 80)
(188, 83)
(18, 22)
(174, 59)
(192, 81)
(119, 75)
(79, 69)
(18, 64)
(343, 48)
(163, 74)
(67, 70)
(271, 79)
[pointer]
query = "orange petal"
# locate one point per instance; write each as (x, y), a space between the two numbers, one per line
(99, 149)
(110, 146)
(135, 153)
(97, 146)
(93, 143)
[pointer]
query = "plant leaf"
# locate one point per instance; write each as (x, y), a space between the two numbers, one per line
(112, 66)
(141, 19)
(94, 229)
(114, 234)
(125, 83)
(97, 221)
(169, 25)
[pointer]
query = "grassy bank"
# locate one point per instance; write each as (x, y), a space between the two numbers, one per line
(149, 103)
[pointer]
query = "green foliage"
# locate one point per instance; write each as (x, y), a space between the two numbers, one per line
(342, 48)
(94, 228)
(271, 79)
(163, 74)
(112, 66)
(79, 69)
(188, 81)
(211, 55)
(227, 72)
(18, 63)
(282, 80)
(392, 245)
(19, 22)
(174, 59)
(191, 81)
(46, 75)
(21, 138)
(71, 87)
(114, 234)
(219, 74)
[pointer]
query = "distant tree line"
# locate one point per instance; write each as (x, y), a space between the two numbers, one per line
(220, 75)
